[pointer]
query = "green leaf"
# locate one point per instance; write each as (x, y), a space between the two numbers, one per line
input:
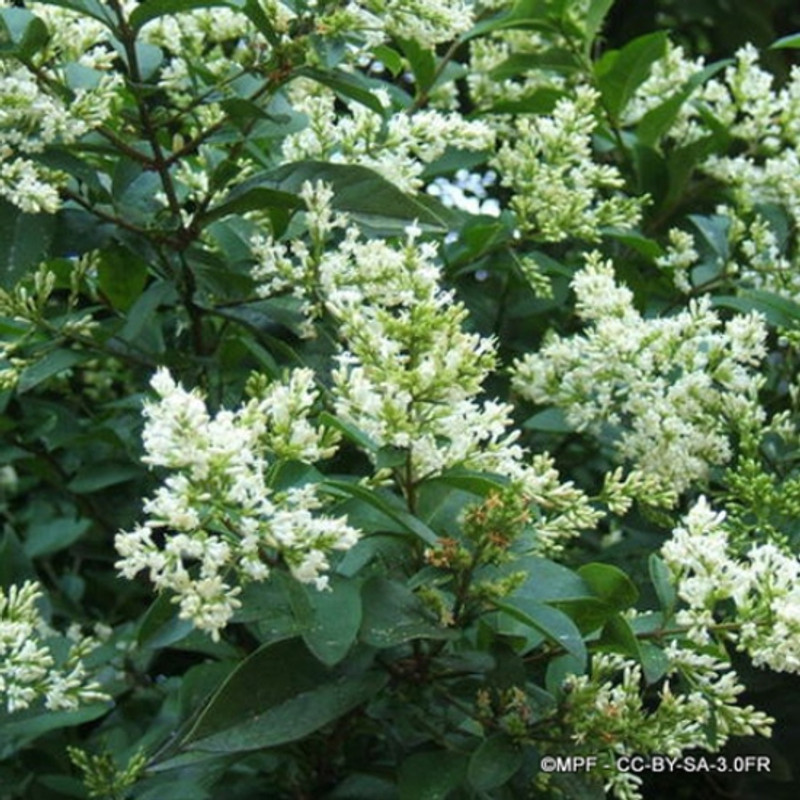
(559, 670)
(658, 120)
(588, 613)
(264, 317)
(791, 41)
(593, 20)
(548, 581)
(349, 431)
(21, 727)
(388, 457)
(255, 13)
(137, 201)
(393, 614)
(478, 236)
(94, 476)
(522, 637)
(610, 584)
(55, 362)
(279, 694)
(22, 34)
(619, 636)
(779, 311)
(349, 85)
(493, 763)
(431, 776)
(683, 161)
(358, 786)
(122, 275)
(422, 62)
(649, 248)
(620, 72)
(555, 59)
(655, 662)
(53, 535)
(153, 9)
(369, 199)
(623, 636)
(160, 627)
(481, 484)
(24, 242)
(556, 626)
(551, 420)
(198, 683)
(714, 235)
(542, 101)
(526, 14)
(143, 326)
(330, 620)
(393, 510)
(269, 605)
(92, 8)
(662, 583)
(15, 564)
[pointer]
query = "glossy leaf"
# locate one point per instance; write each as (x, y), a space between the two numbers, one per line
(595, 16)
(657, 121)
(122, 275)
(350, 85)
(153, 9)
(21, 727)
(778, 311)
(279, 694)
(330, 619)
(393, 615)
(24, 242)
(21, 33)
(369, 199)
(54, 363)
(390, 507)
(663, 584)
(556, 626)
(610, 584)
(431, 776)
(548, 581)
(620, 72)
(551, 420)
(54, 535)
(494, 763)
(792, 42)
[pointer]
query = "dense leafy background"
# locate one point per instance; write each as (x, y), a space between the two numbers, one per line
(360, 692)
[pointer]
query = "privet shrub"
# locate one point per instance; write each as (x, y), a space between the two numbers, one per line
(396, 397)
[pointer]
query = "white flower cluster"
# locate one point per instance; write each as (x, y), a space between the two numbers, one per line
(216, 516)
(762, 169)
(428, 22)
(670, 391)
(679, 257)
(755, 256)
(608, 712)
(73, 36)
(743, 99)
(29, 667)
(409, 375)
(560, 190)
(668, 77)
(35, 116)
(488, 53)
(397, 148)
(222, 39)
(764, 585)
